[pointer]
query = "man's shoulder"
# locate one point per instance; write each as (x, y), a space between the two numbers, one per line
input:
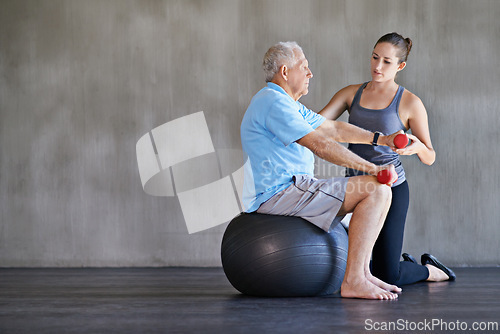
(272, 93)
(270, 99)
(265, 95)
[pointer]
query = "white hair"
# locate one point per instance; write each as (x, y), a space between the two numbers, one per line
(278, 55)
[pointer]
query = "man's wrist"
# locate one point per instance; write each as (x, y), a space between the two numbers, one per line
(376, 169)
(376, 137)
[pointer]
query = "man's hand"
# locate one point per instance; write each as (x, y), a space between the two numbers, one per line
(387, 175)
(389, 140)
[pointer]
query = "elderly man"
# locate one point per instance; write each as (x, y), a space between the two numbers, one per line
(279, 135)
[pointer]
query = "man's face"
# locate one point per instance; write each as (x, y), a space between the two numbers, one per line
(298, 76)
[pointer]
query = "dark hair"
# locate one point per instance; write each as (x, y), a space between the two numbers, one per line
(402, 44)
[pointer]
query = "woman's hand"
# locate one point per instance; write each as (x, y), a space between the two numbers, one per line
(415, 147)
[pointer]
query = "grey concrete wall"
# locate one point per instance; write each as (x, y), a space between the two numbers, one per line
(82, 81)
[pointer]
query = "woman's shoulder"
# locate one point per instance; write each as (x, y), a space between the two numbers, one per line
(353, 88)
(410, 100)
(411, 106)
(349, 91)
(340, 102)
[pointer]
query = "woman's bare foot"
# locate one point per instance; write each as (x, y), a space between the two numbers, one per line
(436, 274)
(363, 288)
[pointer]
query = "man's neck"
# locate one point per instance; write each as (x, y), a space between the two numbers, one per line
(283, 84)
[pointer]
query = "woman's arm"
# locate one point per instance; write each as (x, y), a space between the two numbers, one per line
(418, 123)
(339, 103)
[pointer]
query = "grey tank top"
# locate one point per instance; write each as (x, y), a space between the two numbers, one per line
(386, 121)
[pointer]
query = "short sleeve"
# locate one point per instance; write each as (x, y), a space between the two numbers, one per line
(289, 120)
(314, 119)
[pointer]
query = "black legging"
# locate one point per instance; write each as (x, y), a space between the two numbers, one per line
(386, 255)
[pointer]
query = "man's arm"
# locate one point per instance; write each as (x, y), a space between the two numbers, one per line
(328, 149)
(324, 143)
(347, 133)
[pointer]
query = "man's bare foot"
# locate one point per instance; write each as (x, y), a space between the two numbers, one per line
(436, 274)
(363, 288)
(383, 285)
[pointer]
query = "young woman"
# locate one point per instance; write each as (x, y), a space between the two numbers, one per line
(384, 106)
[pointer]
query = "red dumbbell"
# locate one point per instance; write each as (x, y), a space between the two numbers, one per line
(401, 140)
(387, 175)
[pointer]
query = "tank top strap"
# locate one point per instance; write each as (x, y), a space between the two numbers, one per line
(397, 98)
(357, 96)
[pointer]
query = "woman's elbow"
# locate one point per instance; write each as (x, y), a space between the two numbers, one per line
(431, 159)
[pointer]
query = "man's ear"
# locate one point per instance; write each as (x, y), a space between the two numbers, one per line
(401, 66)
(284, 72)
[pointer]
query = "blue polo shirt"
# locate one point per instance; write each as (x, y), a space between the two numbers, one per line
(272, 124)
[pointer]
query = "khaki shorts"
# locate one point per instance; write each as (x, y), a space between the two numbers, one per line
(316, 200)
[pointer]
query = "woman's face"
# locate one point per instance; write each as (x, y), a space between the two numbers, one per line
(384, 62)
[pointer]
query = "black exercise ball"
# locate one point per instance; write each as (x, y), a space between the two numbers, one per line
(283, 256)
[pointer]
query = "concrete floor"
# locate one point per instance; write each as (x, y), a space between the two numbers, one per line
(201, 300)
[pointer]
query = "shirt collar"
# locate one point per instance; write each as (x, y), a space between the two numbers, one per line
(276, 87)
